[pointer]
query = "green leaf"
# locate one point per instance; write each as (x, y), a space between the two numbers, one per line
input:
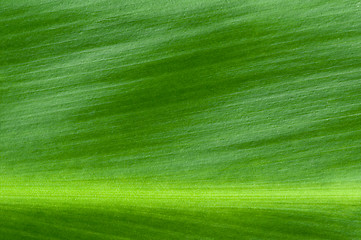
(165, 119)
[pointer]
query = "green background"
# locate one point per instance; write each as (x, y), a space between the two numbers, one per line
(165, 119)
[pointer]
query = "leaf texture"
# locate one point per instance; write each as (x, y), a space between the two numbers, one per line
(165, 119)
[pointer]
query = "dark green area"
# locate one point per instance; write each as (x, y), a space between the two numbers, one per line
(157, 223)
